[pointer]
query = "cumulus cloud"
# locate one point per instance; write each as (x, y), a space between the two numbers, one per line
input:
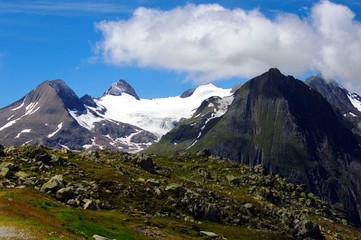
(210, 42)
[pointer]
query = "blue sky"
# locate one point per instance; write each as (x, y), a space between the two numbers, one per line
(90, 44)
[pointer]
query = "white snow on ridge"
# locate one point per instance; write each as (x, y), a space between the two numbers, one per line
(23, 131)
(31, 108)
(85, 120)
(156, 115)
(93, 144)
(354, 98)
(218, 112)
(20, 106)
(9, 124)
(56, 131)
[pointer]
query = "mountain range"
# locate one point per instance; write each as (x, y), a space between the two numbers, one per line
(53, 115)
(309, 132)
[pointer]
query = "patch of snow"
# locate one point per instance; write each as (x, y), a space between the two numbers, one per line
(20, 106)
(157, 115)
(10, 117)
(63, 146)
(9, 124)
(93, 144)
(31, 108)
(355, 100)
(56, 131)
(86, 119)
(23, 131)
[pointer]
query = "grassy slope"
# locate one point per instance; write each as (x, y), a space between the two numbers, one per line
(135, 213)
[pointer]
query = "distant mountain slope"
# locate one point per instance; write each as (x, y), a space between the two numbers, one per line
(281, 123)
(158, 115)
(53, 115)
(343, 101)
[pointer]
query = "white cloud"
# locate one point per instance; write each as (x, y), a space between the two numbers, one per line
(210, 42)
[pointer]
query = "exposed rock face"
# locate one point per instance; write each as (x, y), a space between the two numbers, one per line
(120, 87)
(336, 95)
(53, 115)
(340, 99)
(187, 93)
(281, 123)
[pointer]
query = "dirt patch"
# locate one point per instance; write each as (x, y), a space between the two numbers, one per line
(10, 232)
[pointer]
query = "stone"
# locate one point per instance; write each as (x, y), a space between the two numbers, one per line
(159, 193)
(54, 184)
(91, 205)
(73, 202)
(141, 180)
(98, 237)
(309, 230)
(209, 234)
(178, 189)
(8, 165)
(5, 172)
(21, 175)
(10, 150)
(204, 153)
(146, 163)
(65, 194)
(233, 181)
(153, 182)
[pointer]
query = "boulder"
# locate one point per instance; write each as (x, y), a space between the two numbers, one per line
(5, 172)
(8, 165)
(308, 230)
(208, 234)
(21, 175)
(91, 205)
(40, 154)
(233, 181)
(65, 194)
(98, 237)
(146, 163)
(159, 193)
(178, 189)
(54, 184)
(73, 202)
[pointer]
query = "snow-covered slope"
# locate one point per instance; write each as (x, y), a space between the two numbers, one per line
(355, 100)
(158, 115)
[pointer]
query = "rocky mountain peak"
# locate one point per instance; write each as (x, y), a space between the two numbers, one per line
(338, 96)
(119, 87)
(66, 94)
(187, 93)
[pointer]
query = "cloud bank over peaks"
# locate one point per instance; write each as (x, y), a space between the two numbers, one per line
(210, 42)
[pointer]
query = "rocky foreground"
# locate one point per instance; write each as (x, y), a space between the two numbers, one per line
(183, 197)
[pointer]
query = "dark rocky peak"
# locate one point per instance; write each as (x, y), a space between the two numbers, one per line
(188, 93)
(272, 84)
(66, 94)
(88, 101)
(119, 87)
(335, 94)
(320, 81)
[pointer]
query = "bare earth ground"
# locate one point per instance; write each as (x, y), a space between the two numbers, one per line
(12, 233)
